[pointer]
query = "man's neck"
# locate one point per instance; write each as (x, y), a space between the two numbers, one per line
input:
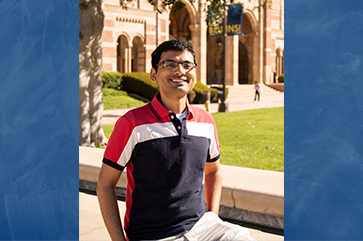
(173, 104)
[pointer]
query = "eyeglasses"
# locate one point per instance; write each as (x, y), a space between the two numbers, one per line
(171, 64)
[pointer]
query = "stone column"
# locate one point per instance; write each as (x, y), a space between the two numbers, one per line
(261, 45)
(128, 59)
(229, 60)
(232, 60)
(267, 47)
(202, 43)
(255, 56)
(195, 29)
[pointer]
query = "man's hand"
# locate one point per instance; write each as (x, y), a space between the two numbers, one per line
(213, 185)
(106, 194)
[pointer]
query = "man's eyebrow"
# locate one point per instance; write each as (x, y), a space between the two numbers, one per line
(177, 61)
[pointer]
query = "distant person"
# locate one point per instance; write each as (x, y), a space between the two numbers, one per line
(258, 89)
(168, 147)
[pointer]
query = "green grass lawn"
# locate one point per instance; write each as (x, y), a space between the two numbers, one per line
(117, 99)
(251, 138)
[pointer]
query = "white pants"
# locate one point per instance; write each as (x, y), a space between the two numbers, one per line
(211, 228)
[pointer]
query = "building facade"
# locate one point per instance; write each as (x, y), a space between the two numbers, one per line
(129, 37)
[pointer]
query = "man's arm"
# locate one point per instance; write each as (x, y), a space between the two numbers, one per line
(106, 194)
(213, 185)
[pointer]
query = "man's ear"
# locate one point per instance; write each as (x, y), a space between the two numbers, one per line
(153, 74)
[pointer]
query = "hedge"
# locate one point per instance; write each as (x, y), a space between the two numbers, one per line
(199, 87)
(140, 83)
(281, 78)
(111, 80)
(220, 88)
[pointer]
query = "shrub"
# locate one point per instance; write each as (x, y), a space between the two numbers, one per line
(191, 96)
(213, 92)
(111, 80)
(220, 88)
(281, 78)
(139, 83)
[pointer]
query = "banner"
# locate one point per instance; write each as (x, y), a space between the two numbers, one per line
(234, 22)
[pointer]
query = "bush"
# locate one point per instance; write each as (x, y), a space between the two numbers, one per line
(281, 78)
(198, 87)
(191, 96)
(220, 88)
(139, 83)
(111, 80)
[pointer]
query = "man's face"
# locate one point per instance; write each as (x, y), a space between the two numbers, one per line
(177, 82)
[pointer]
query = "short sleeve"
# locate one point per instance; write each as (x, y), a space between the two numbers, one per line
(120, 145)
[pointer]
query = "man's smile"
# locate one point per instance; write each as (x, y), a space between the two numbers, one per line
(180, 79)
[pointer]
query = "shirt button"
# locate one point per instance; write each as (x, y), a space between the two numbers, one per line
(172, 117)
(179, 127)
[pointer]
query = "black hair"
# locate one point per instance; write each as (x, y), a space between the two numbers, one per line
(170, 45)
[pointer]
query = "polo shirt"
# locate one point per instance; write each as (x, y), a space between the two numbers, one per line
(165, 160)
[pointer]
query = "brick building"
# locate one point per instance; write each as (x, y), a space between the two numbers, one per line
(130, 36)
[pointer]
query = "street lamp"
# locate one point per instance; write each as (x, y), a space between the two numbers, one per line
(223, 106)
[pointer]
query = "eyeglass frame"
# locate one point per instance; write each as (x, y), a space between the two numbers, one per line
(195, 64)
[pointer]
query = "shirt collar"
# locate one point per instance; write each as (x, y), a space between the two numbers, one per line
(161, 111)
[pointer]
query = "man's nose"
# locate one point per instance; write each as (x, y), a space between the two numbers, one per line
(180, 69)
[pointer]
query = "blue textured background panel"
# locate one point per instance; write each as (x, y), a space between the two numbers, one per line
(39, 120)
(323, 120)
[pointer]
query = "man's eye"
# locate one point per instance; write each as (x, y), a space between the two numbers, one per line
(187, 65)
(170, 65)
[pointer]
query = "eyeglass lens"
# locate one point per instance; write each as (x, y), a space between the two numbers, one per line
(173, 65)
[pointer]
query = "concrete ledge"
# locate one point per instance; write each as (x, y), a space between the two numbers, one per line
(277, 86)
(248, 195)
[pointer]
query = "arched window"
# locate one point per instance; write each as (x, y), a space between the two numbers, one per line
(282, 63)
(279, 68)
(138, 54)
(122, 56)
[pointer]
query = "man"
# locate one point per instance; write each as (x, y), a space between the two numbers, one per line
(166, 145)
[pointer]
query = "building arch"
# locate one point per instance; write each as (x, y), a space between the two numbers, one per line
(137, 54)
(126, 35)
(192, 11)
(179, 24)
(252, 19)
(283, 61)
(245, 51)
(279, 62)
(243, 64)
(173, 27)
(139, 36)
(123, 53)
